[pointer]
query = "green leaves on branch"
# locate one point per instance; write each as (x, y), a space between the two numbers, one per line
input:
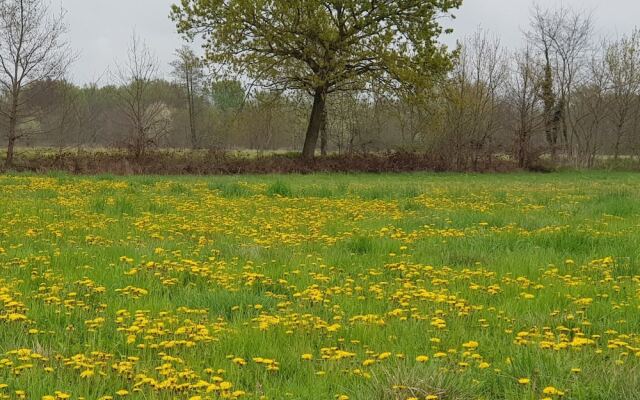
(327, 45)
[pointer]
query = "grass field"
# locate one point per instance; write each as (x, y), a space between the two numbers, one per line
(321, 287)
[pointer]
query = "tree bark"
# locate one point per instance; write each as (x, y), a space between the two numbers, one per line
(10, 150)
(619, 134)
(550, 107)
(523, 148)
(324, 134)
(13, 126)
(315, 123)
(192, 117)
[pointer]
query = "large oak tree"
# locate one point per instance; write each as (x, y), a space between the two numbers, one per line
(322, 46)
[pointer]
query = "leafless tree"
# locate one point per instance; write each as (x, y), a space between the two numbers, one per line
(563, 38)
(526, 107)
(473, 98)
(92, 117)
(189, 74)
(348, 122)
(589, 112)
(261, 124)
(65, 120)
(622, 60)
(148, 119)
(32, 49)
(543, 29)
(408, 112)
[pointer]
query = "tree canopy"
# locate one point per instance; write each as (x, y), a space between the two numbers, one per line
(322, 46)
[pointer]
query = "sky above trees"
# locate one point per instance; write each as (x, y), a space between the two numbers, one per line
(101, 30)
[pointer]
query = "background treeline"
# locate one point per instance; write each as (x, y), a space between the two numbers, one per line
(222, 117)
(567, 97)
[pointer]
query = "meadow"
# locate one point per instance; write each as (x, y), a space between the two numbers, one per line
(409, 286)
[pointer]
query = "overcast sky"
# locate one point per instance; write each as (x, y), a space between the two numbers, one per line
(101, 30)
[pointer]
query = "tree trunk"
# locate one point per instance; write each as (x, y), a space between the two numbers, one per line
(523, 148)
(10, 150)
(192, 128)
(619, 134)
(564, 125)
(550, 107)
(315, 123)
(192, 117)
(13, 125)
(140, 144)
(324, 139)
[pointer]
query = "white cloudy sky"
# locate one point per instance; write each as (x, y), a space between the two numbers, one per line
(100, 30)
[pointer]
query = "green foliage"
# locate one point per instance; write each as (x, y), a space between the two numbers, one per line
(227, 94)
(316, 44)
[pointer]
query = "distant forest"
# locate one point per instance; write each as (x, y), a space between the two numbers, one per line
(567, 96)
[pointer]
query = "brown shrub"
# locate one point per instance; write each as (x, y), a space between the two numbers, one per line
(222, 163)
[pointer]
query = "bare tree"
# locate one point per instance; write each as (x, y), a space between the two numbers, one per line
(543, 29)
(473, 95)
(526, 106)
(65, 113)
(563, 39)
(408, 111)
(590, 108)
(263, 109)
(348, 122)
(148, 119)
(92, 116)
(32, 49)
(622, 59)
(188, 73)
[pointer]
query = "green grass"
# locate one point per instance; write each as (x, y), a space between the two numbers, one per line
(164, 287)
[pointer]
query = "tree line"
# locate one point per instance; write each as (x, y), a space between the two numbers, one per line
(334, 77)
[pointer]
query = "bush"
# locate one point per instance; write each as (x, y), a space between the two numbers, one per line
(221, 163)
